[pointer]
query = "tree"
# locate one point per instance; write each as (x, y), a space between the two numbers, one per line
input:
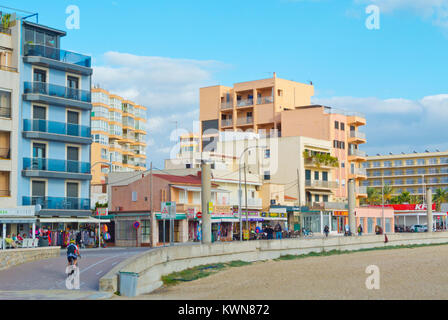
(373, 197)
(387, 193)
(415, 199)
(404, 197)
(440, 196)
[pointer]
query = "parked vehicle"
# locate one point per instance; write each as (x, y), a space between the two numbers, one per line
(419, 228)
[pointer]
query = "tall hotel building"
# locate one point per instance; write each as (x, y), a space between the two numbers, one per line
(45, 138)
(119, 139)
(279, 108)
(412, 172)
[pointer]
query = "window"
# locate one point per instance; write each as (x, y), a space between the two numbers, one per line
(100, 125)
(342, 164)
(325, 176)
(410, 162)
(421, 170)
(410, 171)
(444, 160)
(134, 196)
(267, 175)
(399, 172)
(421, 161)
(342, 145)
(343, 182)
(336, 125)
(38, 188)
(280, 93)
(104, 154)
(316, 175)
(433, 161)
(387, 172)
(267, 153)
(72, 190)
(398, 163)
(5, 104)
(307, 174)
(342, 126)
(409, 181)
(398, 181)
(316, 198)
(101, 138)
(72, 117)
(376, 164)
(335, 144)
(325, 198)
(39, 113)
(387, 164)
(40, 75)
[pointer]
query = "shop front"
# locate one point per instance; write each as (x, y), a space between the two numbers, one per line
(275, 216)
(193, 224)
(339, 219)
(179, 231)
(223, 223)
(14, 221)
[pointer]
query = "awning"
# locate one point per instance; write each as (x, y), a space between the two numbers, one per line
(320, 192)
(73, 220)
(188, 188)
(17, 220)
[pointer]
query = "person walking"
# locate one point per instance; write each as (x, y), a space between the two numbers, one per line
(326, 231)
(278, 231)
(347, 230)
(360, 230)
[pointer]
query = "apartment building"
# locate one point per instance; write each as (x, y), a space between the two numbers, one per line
(45, 136)
(119, 139)
(276, 108)
(411, 172)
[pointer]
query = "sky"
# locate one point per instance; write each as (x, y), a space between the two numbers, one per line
(159, 53)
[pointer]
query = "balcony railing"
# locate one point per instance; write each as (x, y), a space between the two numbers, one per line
(321, 184)
(359, 171)
(5, 153)
(357, 135)
(227, 123)
(5, 112)
(57, 54)
(5, 30)
(357, 153)
(243, 121)
(5, 193)
(336, 205)
(57, 91)
(265, 100)
(226, 105)
(8, 68)
(43, 164)
(361, 190)
(63, 128)
(55, 203)
(245, 102)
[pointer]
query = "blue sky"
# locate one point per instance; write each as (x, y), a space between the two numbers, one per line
(397, 75)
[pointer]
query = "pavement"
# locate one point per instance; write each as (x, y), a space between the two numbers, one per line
(45, 279)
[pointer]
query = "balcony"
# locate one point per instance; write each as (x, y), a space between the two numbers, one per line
(227, 123)
(226, 105)
(5, 153)
(356, 155)
(51, 168)
(57, 58)
(55, 203)
(265, 100)
(361, 191)
(245, 121)
(8, 68)
(357, 137)
(5, 193)
(56, 131)
(245, 103)
(57, 95)
(5, 112)
(320, 184)
(359, 173)
(5, 30)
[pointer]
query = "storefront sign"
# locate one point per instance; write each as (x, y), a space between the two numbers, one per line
(340, 213)
(102, 211)
(408, 207)
(190, 212)
(277, 210)
(223, 210)
(18, 212)
(210, 207)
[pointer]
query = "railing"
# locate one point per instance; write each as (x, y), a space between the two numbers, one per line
(361, 190)
(63, 128)
(321, 184)
(265, 100)
(5, 193)
(115, 146)
(330, 110)
(5, 112)
(226, 105)
(227, 123)
(359, 171)
(8, 68)
(115, 133)
(57, 91)
(358, 135)
(336, 205)
(5, 30)
(5, 153)
(357, 153)
(55, 203)
(245, 102)
(57, 54)
(243, 121)
(43, 164)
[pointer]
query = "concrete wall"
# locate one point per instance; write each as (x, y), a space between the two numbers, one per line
(152, 265)
(10, 258)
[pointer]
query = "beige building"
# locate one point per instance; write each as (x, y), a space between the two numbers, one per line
(281, 108)
(412, 172)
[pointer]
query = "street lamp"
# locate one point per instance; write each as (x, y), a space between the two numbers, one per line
(240, 191)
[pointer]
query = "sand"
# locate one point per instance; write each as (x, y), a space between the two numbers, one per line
(417, 273)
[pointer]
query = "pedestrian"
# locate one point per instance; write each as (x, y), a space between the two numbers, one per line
(326, 231)
(360, 230)
(278, 231)
(270, 232)
(347, 230)
(377, 230)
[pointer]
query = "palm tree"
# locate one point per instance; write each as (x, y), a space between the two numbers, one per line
(441, 195)
(404, 197)
(387, 193)
(415, 199)
(373, 197)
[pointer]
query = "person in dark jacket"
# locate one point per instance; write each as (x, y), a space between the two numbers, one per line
(326, 231)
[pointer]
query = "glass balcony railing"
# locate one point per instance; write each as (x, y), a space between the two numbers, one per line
(54, 203)
(321, 184)
(358, 135)
(227, 123)
(245, 102)
(361, 190)
(43, 164)
(226, 105)
(62, 128)
(5, 153)
(57, 54)
(57, 91)
(265, 100)
(5, 112)
(244, 121)
(357, 153)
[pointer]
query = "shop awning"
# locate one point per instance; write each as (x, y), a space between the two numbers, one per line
(73, 220)
(188, 188)
(320, 192)
(7, 220)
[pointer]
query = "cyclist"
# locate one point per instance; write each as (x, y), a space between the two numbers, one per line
(72, 253)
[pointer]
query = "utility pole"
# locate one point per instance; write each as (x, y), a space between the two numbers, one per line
(429, 209)
(206, 195)
(245, 191)
(382, 204)
(351, 205)
(151, 208)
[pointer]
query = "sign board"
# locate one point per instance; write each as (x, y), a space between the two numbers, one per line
(136, 225)
(246, 234)
(340, 213)
(278, 210)
(18, 212)
(102, 211)
(223, 210)
(199, 215)
(169, 208)
(210, 207)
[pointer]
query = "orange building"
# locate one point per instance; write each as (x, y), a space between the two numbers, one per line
(119, 138)
(282, 108)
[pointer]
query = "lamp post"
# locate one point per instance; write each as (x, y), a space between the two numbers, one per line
(240, 191)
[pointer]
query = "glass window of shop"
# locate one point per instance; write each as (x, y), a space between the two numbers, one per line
(326, 219)
(125, 230)
(312, 222)
(146, 231)
(388, 221)
(370, 225)
(378, 222)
